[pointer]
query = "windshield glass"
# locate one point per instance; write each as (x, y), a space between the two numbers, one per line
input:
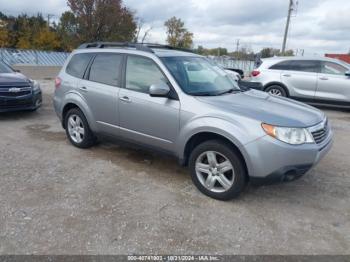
(197, 76)
(5, 68)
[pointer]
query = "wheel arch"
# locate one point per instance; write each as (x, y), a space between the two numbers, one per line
(76, 101)
(201, 137)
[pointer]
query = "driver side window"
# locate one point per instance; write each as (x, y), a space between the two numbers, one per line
(333, 69)
(141, 73)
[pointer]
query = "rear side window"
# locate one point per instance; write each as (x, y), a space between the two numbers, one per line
(105, 69)
(77, 65)
(285, 65)
(311, 66)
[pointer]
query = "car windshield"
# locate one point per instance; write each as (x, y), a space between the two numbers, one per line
(5, 68)
(199, 77)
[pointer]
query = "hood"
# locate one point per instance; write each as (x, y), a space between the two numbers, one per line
(266, 108)
(16, 79)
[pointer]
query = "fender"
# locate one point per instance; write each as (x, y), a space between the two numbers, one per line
(74, 97)
(233, 130)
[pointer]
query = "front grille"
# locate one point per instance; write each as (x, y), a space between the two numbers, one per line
(321, 134)
(21, 91)
(15, 103)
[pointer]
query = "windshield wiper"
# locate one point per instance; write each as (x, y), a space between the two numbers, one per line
(203, 94)
(229, 91)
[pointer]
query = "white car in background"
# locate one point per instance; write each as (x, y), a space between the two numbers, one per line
(315, 80)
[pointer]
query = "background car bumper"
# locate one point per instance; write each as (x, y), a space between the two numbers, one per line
(29, 102)
(272, 160)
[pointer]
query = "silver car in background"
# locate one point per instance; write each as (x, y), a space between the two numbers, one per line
(181, 104)
(315, 80)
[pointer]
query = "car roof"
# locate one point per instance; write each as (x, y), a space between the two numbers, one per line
(276, 59)
(146, 49)
(167, 53)
(284, 58)
(156, 52)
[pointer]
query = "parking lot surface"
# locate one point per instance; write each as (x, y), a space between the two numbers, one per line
(114, 199)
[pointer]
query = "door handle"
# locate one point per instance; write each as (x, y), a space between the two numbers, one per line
(83, 88)
(323, 78)
(287, 75)
(125, 99)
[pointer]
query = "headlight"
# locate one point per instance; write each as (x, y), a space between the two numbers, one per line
(293, 136)
(35, 85)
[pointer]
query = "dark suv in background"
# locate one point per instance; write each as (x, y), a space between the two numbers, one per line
(17, 92)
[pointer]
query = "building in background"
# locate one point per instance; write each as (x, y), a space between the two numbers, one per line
(343, 57)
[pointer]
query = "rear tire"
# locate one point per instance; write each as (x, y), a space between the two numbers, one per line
(78, 130)
(217, 170)
(276, 90)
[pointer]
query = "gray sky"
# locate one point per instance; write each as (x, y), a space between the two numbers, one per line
(319, 26)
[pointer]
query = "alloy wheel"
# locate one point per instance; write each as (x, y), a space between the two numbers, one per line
(275, 92)
(76, 128)
(215, 171)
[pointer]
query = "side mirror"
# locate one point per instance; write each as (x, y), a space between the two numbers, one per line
(347, 73)
(160, 89)
(17, 70)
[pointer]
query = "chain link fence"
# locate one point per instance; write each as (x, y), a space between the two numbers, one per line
(48, 58)
(32, 57)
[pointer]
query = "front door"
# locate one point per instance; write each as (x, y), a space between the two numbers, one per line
(153, 121)
(333, 85)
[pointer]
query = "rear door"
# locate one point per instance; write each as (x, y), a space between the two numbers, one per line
(100, 88)
(333, 85)
(300, 76)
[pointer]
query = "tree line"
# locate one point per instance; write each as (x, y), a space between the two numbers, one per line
(100, 20)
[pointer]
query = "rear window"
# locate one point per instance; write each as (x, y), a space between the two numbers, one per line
(298, 65)
(77, 65)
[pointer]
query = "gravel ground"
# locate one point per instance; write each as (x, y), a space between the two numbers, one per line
(113, 199)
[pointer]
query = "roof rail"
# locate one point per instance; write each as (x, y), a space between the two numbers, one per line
(146, 47)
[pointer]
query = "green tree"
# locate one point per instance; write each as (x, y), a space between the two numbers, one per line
(102, 20)
(4, 34)
(47, 40)
(177, 34)
(288, 53)
(270, 52)
(67, 29)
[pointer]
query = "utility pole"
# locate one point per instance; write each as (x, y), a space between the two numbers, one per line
(237, 48)
(48, 19)
(290, 9)
(237, 45)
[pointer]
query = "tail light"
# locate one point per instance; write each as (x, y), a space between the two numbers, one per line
(58, 82)
(255, 73)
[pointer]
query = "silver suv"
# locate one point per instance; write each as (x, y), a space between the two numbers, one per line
(180, 103)
(315, 80)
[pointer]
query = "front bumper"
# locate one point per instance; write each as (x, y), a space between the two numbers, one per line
(28, 102)
(271, 160)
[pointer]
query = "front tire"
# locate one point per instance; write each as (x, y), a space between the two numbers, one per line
(217, 170)
(78, 130)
